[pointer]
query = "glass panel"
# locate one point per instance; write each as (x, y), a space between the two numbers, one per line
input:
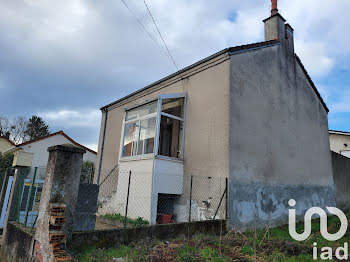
(174, 106)
(170, 138)
(141, 111)
(131, 133)
(147, 135)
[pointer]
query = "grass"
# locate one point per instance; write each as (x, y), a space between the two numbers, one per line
(269, 245)
(135, 222)
(105, 255)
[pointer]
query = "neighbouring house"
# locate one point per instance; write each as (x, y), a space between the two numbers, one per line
(38, 149)
(340, 142)
(250, 113)
(5, 143)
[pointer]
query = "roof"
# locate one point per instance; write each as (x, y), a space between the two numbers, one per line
(55, 134)
(339, 132)
(4, 137)
(226, 50)
(235, 49)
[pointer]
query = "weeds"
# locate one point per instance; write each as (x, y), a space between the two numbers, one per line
(135, 222)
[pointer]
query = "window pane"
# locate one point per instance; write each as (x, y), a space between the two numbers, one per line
(147, 135)
(173, 106)
(141, 111)
(170, 138)
(131, 133)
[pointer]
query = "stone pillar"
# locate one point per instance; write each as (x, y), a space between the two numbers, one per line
(61, 189)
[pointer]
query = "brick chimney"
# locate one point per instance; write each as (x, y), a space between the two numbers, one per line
(277, 29)
(274, 9)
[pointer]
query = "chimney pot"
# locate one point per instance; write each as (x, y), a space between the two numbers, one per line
(7, 135)
(274, 9)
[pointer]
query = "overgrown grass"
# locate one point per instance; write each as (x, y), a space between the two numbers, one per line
(267, 244)
(135, 222)
(104, 255)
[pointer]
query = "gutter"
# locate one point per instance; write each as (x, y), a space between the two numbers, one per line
(102, 146)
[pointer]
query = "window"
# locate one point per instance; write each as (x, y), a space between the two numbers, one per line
(140, 128)
(147, 135)
(131, 132)
(171, 127)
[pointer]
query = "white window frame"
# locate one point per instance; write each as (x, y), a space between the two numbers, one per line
(158, 114)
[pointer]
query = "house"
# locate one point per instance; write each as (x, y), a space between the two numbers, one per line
(5, 143)
(340, 142)
(250, 113)
(38, 148)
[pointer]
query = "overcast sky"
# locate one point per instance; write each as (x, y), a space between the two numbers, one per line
(65, 59)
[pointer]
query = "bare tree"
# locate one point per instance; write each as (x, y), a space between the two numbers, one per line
(16, 127)
(4, 125)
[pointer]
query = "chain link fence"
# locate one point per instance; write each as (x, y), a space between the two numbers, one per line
(125, 198)
(134, 198)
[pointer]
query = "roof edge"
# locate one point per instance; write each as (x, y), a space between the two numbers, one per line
(58, 133)
(339, 132)
(311, 83)
(226, 50)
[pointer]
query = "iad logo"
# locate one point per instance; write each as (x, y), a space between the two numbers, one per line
(326, 251)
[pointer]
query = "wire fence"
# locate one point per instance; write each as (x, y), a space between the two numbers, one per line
(125, 198)
(134, 198)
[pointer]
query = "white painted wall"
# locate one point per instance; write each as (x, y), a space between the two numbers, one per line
(41, 155)
(345, 153)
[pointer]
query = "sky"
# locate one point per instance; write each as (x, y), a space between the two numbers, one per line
(63, 60)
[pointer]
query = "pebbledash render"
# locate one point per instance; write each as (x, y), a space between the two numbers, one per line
(250, 113)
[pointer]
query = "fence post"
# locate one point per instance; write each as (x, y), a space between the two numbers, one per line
(190, 211)
(29, 197)
(226, 198)
(127, 201)
(222, 197)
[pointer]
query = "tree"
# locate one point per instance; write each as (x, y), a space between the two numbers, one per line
(6, 161)
(87, 172)
(15, 127)
(36, 128)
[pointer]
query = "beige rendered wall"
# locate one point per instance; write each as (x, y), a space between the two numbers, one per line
(337, 142)
(4, 145)
(207, 118)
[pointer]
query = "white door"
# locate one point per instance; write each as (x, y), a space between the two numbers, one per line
(6, 200)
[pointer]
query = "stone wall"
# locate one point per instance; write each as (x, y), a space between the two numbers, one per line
(117, 237)
(18, 244)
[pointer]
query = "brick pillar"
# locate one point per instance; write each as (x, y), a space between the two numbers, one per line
(60, 190)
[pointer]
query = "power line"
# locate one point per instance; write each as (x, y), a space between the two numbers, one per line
(172, 59)
(145, 29)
